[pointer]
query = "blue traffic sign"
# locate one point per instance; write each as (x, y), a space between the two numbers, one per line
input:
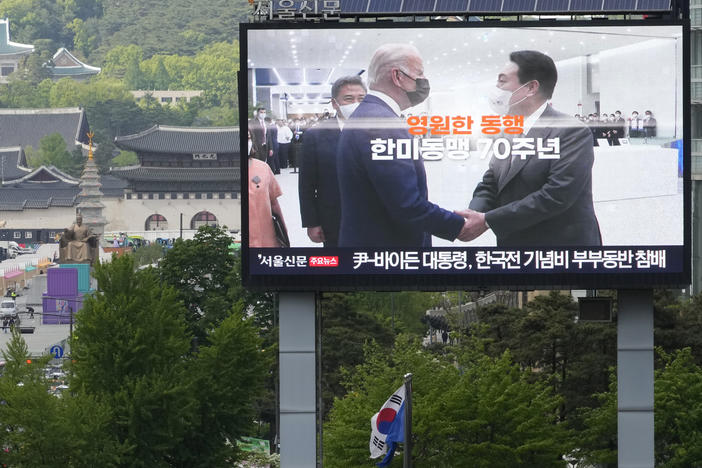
(57, 351)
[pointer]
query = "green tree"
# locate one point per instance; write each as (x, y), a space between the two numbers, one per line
(34, 19)
(488, 413)
(33, 70)
(125, 158)
(172, 404)
(133, 77)
(678, 416)
(83, 40)
(81, 9)
(215, 72)
(161, 79)
(65, 93)
(115, 117)
(20, 93)
(404, 308)
(120, 58)
(228, 374)
(103, 151)
(677, 323)
(52, 152)
(168, 27)
(199, 269)
(678, 410)
(148, 254)
(345, 331)
(129, 343)
(41, 430)
(262, 308)
(544, 336)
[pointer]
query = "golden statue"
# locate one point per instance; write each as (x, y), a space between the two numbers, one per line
(78, 244)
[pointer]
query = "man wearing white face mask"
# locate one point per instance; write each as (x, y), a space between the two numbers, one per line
(532, 201)
(318, 185)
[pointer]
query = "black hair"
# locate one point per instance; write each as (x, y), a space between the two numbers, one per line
(344, 81)
(534, 65)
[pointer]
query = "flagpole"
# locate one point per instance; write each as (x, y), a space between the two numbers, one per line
(407, 458)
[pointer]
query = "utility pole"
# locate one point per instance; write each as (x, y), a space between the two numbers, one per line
(407, 456)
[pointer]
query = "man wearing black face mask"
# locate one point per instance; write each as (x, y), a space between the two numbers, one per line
(532, 201)
(384, 202)
(649, 125)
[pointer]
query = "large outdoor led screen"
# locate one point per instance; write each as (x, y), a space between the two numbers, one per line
(465, 155)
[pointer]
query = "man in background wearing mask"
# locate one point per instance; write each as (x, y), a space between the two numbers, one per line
(635, 126)
(320, 208)
(384, 203)
(532, 201)
(649, 125)
(259, 134)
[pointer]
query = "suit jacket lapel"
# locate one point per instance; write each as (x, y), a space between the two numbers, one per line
(539, 130)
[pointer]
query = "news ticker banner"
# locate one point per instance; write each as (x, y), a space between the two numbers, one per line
(465, 261)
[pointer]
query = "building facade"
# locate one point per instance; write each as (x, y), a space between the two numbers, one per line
(168, 97)
(65, 65)
(183, 171)
(10, 52)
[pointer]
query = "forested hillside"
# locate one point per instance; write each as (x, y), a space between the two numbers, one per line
(95, 26)
(153, 45)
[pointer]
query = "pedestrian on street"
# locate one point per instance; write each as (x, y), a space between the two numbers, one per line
(4, 325)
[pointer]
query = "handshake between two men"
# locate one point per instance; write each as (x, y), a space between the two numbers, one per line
(473, 226)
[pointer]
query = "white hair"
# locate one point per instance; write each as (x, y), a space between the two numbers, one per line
(389, 56)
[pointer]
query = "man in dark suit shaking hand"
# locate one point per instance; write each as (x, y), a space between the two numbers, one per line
(536, 201)
(320, 208)
(384, 202)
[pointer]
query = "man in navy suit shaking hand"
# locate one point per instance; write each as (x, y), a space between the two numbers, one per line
(384, 202)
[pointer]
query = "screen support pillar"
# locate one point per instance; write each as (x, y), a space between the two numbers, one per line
(635, 379)
(298, 396)
(696, 237)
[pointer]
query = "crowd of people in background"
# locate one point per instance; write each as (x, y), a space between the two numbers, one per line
(613, 127)
(278, 142)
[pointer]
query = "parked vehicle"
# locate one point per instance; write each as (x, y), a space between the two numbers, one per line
(8, 309)
(13, 248)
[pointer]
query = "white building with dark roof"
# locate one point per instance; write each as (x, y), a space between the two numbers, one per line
(182, 171)
(65, 65)
(169, 97)
(10, 52)
(45, 197)
(193, 171)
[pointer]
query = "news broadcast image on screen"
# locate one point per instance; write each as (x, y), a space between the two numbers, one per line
(425, 157)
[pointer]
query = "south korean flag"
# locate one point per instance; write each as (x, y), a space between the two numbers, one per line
(387, 427)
